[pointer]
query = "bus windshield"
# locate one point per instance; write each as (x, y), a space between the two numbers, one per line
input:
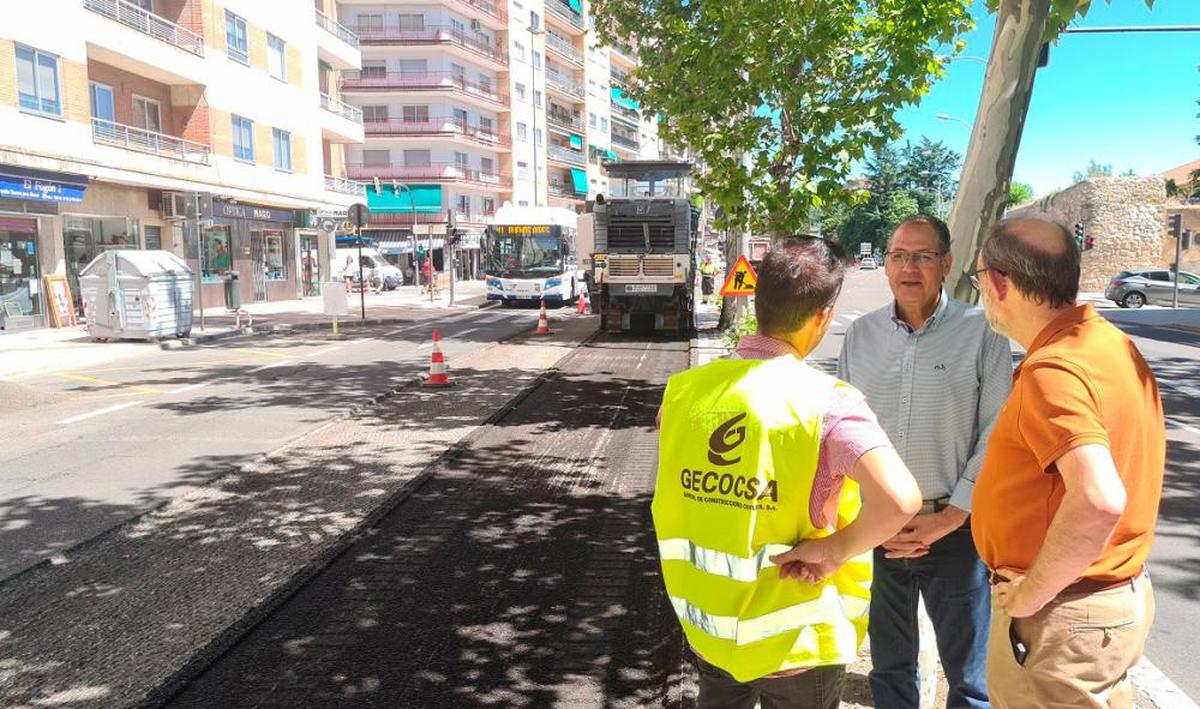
(525, 255)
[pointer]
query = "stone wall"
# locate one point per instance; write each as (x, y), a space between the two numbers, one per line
(1125, 215)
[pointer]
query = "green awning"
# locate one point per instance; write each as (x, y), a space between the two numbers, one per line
(619, 98)
(611, 155)
(577, 142)
(579, 179)
(575, 6)
(428, 199)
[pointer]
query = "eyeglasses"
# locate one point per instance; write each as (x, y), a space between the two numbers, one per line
(973, 276)
(903, 258)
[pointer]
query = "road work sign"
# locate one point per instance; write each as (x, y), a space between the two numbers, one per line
(741, 280)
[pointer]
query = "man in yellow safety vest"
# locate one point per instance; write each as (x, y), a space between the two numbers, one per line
(775, 482)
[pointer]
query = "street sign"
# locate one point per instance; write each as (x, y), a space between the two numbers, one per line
(358, 214)
(864, 248)
(741, 279)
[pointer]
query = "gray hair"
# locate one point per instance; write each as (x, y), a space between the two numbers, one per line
(1042, 275)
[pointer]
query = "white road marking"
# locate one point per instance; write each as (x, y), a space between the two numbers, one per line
(325, 351)
(425, 345)
(99, 412)
(467, 332)
(190, 387)
(1181, 425)
(270, 366)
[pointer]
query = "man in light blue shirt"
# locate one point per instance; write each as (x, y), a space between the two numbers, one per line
(936, 376)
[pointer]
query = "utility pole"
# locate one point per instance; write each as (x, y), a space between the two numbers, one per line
(200, 260)
(534, 30)
(1175, 224)
(451, 238)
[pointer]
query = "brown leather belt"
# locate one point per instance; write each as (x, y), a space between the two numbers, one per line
(931, 506)
(1080, 587)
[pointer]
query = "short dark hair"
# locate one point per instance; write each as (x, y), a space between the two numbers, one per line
(798, 277)
(1044, 276)
(939, 229)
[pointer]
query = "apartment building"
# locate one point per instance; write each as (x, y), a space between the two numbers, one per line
(211, 129)
(469, 104)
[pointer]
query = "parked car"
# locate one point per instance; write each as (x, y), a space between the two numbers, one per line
(868, 263)
(1133, 289)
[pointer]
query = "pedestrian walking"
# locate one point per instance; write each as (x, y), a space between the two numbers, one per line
(761, 462)
(936, 376)
(427, 274)
(708, 272)
(349, 273)
(1067, 500)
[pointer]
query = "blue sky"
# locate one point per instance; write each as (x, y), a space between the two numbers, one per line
(1128, 100)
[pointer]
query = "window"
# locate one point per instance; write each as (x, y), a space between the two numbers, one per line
(235, 38)
(282, 141)
(457, 28)
(37, 81)
(519, 50)
(460, 118)
(535, 20)
(416, 114)
(522, 131)
(412, 23)
(376, 158)
(147, 114)
(218, 252)
(520, 89)
(522, 169)
(463, 203)
(276, 57)
(537, 135)
(459, 72)
(486, 126)
(413, 66)
(243, 139)
(592, 120)
(375, 113)
(604, 124)
(374, 69)
(524, 203)
(537, 98)
(416, 158)
(103, 106)
(487, 166)
(368, 24)
(537, 60)
(489, 205)
(274, 252)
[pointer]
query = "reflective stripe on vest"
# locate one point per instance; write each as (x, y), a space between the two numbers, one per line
(716, 562)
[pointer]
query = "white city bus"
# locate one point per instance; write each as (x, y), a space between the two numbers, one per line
(531, 255)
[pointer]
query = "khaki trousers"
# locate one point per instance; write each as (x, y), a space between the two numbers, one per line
(1079, 650)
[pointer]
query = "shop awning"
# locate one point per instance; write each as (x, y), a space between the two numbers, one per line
(611, 155)
(576, 142)
(575, 6)
(580, 180)
(428, 199)
(619, 98)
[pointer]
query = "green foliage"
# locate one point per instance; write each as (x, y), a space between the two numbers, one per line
(731, 336)
(1094, 169)
(779, 98)
(1019, 193)
(1062, 12)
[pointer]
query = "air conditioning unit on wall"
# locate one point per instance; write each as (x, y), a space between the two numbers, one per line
(174, 205)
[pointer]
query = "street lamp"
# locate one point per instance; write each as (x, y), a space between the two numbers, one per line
(534, 31)
(947, 117)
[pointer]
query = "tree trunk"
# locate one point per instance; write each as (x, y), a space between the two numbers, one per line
(996, 135)
(733, 309)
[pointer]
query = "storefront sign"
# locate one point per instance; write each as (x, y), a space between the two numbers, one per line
(250, 211)
(16, 224)
(20, 183)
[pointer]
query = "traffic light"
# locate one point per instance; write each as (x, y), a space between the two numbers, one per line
(1079, 234)
(1089, 242)
(1175, 225)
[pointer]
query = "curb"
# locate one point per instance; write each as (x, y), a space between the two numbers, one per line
(228, 639)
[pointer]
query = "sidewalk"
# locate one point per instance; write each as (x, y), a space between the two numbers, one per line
(38, 351)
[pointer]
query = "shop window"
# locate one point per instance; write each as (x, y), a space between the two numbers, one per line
(274, 255)
(19, 271)
(235, 38)
(218, 255)
(37, 82)
(86, 237)
(152, 235)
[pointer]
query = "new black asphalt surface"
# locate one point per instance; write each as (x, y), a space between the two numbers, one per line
(522, 573)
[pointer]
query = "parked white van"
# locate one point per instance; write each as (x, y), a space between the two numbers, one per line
(376, 269)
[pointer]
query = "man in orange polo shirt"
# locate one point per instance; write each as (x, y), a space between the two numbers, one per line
(1067, 500)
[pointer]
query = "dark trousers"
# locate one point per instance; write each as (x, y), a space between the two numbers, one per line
(954, 583)
(818, 688)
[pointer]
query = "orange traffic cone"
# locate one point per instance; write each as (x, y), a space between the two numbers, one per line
(543, 327)
(438, 376)
(581, 303)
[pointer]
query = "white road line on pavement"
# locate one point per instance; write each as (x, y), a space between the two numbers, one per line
(1154, 684)
(190, 387)
(425, 345)
(467, 332)
(1181, 425)
(98, 412)
(271, 366)
(325, 351)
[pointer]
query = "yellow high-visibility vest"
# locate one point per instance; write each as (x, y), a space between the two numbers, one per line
(708, 269)
(737, 458)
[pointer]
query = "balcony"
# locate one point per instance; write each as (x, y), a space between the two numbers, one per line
(564, 83)
(433, 34)
(559, 10)
(566, 155)
(434, 172)
(495, 15)
(344, 110)
(623, 142)
(444, 127)
(563, 47)
(376, 81)
(146, 141)
(617, 76)
(625, 52)
(558, 189)
(565, 121)
(344, 186)
(148, 23)
(331, 26)
(622, 113)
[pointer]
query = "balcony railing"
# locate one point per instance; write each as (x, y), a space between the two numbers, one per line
(345, 110)
(563, 10)
(344, 186)
(147, 22)
(331, 26)
(368, 80)
(441, 172)
(497, 11)
(617, 76)
(566, 84)
(624, 142)
(563, 120)
(559, 189)
(567, 155)
(147, 141)
(433, 34)
(563, 47)
(619, 111)
(444, 126)
(626, 50)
